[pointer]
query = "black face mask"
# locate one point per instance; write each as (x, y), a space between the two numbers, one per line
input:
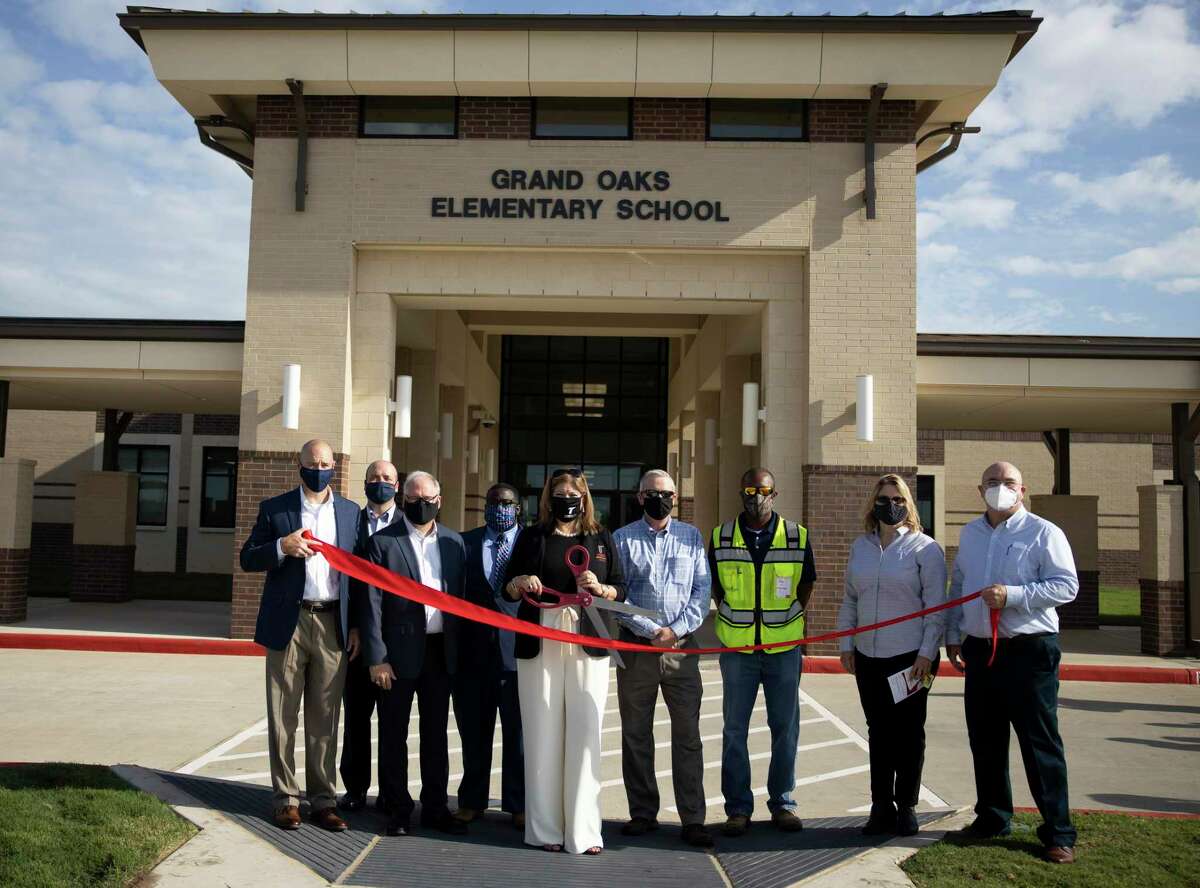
(756, 506)
(380, 492)
(890, 514)
(566, 508)
(420, 512)
(658, 507)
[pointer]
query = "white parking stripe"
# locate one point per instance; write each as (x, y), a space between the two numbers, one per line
(221, 748)
(804, 781)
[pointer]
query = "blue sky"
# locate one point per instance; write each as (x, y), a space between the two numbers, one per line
(1076, 211)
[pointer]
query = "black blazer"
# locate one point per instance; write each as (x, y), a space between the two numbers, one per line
(478, 643)
(528, 557)
(279, 609)
(393, 628)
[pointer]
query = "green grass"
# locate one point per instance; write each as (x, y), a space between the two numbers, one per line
(1113, 851)
(80, 825)
(1120, 606)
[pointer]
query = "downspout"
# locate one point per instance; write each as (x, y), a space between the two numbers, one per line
(297, 89)
(956, 131)
(246, 163)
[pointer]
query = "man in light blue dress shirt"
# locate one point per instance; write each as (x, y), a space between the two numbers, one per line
(1023, 565)
(666, 570)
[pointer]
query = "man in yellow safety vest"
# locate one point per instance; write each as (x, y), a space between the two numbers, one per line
(762, 577)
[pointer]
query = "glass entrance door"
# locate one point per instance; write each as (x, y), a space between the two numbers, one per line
(597, 403)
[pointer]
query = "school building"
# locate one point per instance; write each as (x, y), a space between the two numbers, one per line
(490, 245)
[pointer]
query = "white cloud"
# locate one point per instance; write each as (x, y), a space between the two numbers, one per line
(1153, 184)
(1091, 63)
(1179, 285)
(1120, 318)
(938, 253)
(972, 205)
(1176, 257)
(1023, 293)
(16, 67)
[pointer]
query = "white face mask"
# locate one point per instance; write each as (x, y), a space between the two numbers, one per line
(1000, 498)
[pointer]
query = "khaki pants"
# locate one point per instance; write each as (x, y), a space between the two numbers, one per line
(312, 667)
(637, 694)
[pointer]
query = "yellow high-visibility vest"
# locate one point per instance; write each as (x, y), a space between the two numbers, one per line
(760, 607)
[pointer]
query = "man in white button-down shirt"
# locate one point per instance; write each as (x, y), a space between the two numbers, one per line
(303, 621)
(1023, 565)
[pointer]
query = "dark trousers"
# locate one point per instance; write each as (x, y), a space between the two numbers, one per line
(478, 696)
(432, 690)
(895, 731)
(1019, 689)
(359, 701)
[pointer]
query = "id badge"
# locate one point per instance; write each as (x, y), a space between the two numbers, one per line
(783, 587)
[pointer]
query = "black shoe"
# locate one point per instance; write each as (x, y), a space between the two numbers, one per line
(446, 822)
(697, 835)
(352, 801)
(880, 824)
(906, 822)
(981, 829)
(381, 803)
(398, 826)
(639, 826)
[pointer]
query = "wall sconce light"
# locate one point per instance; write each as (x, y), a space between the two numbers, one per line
(864, 411)
(685, 458)
(291, 396)
(402, 406)
(751, 414)
(710, 441)
(491, 464)
(446, 436)
(472, 454)
(673, 464)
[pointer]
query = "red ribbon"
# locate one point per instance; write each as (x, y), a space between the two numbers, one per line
(382, 578)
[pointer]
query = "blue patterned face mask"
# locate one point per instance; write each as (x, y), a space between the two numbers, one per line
(500, 516)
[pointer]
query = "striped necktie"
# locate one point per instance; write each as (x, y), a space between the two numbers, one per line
(501, 550)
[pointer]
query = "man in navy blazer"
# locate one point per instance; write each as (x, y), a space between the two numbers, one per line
(412, 650)
(303, 622)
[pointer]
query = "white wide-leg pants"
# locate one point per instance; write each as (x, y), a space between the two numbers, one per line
(563, 693)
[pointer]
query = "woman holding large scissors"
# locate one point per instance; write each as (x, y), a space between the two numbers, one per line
(563, 687)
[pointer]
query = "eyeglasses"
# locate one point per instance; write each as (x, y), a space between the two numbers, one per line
(501, 502)
(574, 473)
(762, 491)
(894, 500)
(415, 499)
(658, 494)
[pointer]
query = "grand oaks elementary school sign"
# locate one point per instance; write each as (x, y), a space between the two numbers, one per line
(584, 208)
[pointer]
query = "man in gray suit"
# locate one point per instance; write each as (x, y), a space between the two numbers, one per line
(412, 650)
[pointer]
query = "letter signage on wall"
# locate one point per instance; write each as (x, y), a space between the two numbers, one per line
(517, 201)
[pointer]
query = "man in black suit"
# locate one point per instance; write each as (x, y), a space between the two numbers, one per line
(412, 650)
(303, 622)
(362, 693)
(487, 670)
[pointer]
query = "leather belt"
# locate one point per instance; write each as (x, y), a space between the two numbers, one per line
(318, 607)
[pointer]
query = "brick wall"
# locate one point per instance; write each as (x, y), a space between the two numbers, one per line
(930, 451)
(214, 424)
(14, 584)
(845, 120)
(329, 117)
(674, 120)
(833, 503)
(148, 423)
(102, 573)
(1119, 567)
(262, 475)
(494, 117)
(1162, 617)
(687, 511)
(1084, 611)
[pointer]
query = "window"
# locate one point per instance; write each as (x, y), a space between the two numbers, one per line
(218, 486)
(572, 118)
(409, 117)
(152, 464)
(749, 120)
(925, 502)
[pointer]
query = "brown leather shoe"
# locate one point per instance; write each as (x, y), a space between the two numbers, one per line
(288, 818)
(518, 820)
(327, 818)
(466, 815)
(785, 820)
(736, 825)
(1059, 855)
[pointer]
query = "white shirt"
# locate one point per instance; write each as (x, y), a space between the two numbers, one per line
(321, 582)
(1030, 558)
(376, 523)
(429, 562)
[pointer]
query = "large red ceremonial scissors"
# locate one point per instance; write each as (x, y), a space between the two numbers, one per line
(578, 561)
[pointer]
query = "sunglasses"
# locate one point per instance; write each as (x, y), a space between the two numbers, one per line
(762, 491)
(574, 473)
(658, 494)
(894, 500)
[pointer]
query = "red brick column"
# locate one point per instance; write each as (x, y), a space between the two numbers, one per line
(834, 499)
(1162, 617)
(1084, 611)
(262, 474)
(14, 584)
(102, 573)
